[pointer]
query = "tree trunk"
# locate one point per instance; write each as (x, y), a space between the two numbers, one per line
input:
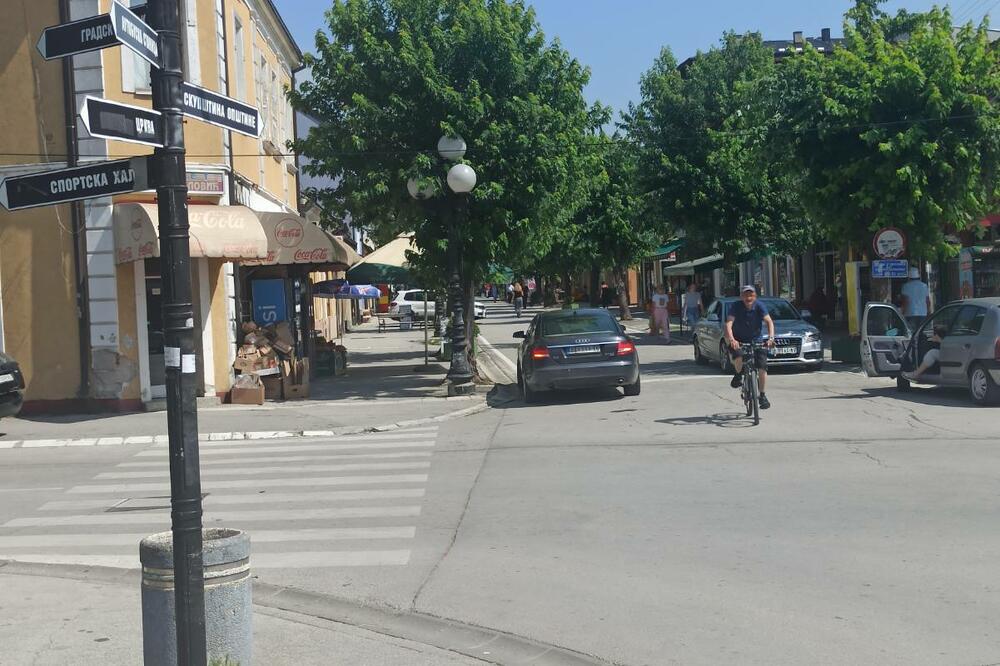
(621, 285)
(595, 285)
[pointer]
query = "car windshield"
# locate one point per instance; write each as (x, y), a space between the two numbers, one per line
(781, 310)
(576, 324)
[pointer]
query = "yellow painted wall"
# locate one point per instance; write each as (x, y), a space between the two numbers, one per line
(128, 341)
(41, 329)
(220, 324)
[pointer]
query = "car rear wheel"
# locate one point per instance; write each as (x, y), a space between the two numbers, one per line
(633, 389)
(983, 390)
(699, 358)
(527, 393)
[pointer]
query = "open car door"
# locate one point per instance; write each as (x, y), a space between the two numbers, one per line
(885, 338)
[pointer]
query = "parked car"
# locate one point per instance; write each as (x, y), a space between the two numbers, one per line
(969, 354)
(479, 309)
(796, 341)
(11, 386)
(568, 349)
(412, 300)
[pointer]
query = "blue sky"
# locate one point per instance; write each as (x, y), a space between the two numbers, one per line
(618, 39)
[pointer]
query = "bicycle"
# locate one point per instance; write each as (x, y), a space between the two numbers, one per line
(751, 381)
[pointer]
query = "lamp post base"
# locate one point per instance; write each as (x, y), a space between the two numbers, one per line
(467, 388)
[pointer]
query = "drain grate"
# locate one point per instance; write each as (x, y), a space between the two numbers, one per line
(155, 503)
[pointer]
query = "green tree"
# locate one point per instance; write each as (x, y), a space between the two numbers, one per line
(897, 128)
(704, 138)
(390, 77)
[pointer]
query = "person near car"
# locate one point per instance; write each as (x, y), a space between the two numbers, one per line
(917, 298)
(693, 306)
(819, 306)
(743, 326)
(933, 354)
(518, 294)
(661, 313)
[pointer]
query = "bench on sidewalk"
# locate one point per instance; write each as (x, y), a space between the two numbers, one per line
(386, 321)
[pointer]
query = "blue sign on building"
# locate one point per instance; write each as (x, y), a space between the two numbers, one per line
(269, 302)
(889, 268)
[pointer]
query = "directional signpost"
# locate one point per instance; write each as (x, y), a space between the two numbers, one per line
(97, 179)
(121, 26)
(220, 110)
(124, 122)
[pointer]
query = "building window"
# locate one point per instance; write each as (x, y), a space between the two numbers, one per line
(239, 50)
(135, 70)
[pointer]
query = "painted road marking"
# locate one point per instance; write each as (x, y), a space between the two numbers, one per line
(283, 515)
(261, 536)
(118, 489)
(321, 559)
(296, 448)
(270, 459)
(290, 469)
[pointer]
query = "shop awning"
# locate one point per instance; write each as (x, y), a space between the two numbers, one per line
(344, 252)
(292, 239)
(702, 265)
(668, 247)
(224, 232)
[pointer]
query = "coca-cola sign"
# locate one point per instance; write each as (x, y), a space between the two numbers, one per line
(289, 232)
(314, 256)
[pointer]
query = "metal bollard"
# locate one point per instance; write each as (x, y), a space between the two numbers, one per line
(228, 597)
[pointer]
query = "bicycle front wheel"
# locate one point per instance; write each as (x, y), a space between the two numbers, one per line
(754, 398)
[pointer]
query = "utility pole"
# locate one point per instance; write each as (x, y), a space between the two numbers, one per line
(168, 173)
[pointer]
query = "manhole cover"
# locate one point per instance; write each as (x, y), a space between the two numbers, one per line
(144, 503)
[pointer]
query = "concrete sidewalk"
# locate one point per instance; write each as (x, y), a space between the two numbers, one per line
(53, 621)
(386, 383)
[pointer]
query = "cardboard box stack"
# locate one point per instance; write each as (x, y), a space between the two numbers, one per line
(267, 364)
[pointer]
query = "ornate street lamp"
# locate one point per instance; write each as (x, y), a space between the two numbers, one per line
(461, 180)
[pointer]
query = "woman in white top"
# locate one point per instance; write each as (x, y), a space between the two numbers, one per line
(661, 313)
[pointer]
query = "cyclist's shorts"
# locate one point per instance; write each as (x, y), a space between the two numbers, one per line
(760, 354)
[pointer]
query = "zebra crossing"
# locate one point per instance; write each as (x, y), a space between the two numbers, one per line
(341, 501)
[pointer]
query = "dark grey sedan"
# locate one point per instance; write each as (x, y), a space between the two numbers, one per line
(575, 348)
(11, 386)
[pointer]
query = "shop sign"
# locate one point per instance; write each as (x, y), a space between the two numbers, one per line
(289, 232)
(890, 243)
(205, 182)
(965, 278)
(890, 268)
(269, 304)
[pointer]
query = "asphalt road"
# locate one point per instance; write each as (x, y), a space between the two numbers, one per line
(855, 525)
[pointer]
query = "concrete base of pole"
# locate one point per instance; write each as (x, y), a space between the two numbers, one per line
(228, 598)
(461, 389)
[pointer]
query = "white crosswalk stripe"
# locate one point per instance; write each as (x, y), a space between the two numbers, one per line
(342, 501)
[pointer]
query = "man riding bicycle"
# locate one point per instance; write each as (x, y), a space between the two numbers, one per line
(743, 325)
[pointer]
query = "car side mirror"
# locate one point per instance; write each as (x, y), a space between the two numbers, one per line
(519, 334)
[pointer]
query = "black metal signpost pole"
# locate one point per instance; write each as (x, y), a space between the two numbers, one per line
(182, 416)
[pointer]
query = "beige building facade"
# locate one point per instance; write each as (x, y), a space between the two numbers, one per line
(80, 283)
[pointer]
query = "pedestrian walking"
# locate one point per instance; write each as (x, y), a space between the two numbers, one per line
(518, 293)
(917, 299)
(693, 305)
(661, 314)
(510, 292)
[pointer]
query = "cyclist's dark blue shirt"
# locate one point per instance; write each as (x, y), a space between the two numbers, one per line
(747, 322)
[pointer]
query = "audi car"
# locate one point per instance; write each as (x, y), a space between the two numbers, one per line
(575, 348)
(796, 341)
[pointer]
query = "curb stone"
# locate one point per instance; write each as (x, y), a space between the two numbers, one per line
(251, 435)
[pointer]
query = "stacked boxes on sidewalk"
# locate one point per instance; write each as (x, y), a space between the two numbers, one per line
(267, 366)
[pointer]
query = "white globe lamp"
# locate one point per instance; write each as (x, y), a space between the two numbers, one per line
(461, 178)
(420, 188)
(451, 148)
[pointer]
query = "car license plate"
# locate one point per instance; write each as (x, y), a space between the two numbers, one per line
(586, 349)
(786, 351)
(6, 378)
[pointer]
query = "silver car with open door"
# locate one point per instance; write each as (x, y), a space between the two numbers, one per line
(969, 349)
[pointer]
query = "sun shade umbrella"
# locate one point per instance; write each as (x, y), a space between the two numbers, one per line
(386, 265)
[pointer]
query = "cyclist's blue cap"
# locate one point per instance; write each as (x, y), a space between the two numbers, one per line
(747, 288)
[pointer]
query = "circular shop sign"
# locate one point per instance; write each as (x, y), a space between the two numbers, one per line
(289, 232)
(890, 243)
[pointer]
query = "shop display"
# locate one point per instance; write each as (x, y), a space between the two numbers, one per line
(266, 362)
